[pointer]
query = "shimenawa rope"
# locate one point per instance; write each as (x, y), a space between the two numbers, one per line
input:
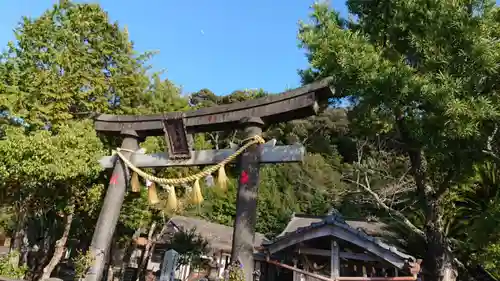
(167, 183)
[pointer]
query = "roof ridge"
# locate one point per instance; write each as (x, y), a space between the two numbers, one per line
(338, 221)
(309, 216)
(206, 221)
(366, 221)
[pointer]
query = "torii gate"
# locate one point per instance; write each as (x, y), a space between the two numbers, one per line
(250, 116)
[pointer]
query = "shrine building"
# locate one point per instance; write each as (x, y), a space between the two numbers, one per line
(309, 248)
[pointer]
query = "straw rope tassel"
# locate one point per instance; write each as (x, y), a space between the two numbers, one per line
(171, 199)
(134, 182)
(222, 179)
(152, 194)
(196, 196)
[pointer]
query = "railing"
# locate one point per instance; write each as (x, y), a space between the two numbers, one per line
(341, 278)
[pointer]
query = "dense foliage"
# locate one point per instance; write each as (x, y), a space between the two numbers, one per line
(190, 245)
(416, 148)
(423, 73)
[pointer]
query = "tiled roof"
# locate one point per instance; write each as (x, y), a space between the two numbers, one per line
(219, 236)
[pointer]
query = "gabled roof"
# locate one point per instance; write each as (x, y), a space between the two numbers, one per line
(298, 231)
(372, 228)
(220, 237)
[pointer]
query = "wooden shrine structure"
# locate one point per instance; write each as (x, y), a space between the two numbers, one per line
(330, 248)
(177, 127)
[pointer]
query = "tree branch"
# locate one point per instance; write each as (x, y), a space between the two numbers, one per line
(443, 187)
(391, 211)
(489, 145)
(492, 154)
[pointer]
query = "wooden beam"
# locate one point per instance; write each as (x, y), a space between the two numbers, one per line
(343, 255)
(341, 278)
(334, 260)
(269, 155)
(294, 273)
(294, 269)
(295, 104)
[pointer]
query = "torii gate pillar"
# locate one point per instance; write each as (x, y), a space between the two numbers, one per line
(246, 203)
(110, 211)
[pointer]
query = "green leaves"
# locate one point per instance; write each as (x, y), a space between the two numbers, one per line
(72, 62)
(384, 76)
(402, 75)
(42, 156)
(190, 245)
(423, 75)
(65, 66)
(10, 270)
(136, 211)
(42, 170)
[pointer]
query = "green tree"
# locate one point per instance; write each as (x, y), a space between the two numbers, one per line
(475, 217)
(65, 66)
(190, 245)
(51, 177)
(425, 70)
(71, 62)
(10, 270)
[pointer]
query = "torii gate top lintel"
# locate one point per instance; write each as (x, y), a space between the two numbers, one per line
(294, 104)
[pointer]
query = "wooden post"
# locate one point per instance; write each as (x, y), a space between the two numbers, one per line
(111, 207)
(294, 273)
(257, 271)
(271, 272)
(246, 204)
(334, 260)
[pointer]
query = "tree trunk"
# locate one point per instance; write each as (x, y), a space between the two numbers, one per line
(17, 243)
(145, 253)
(21, 244)
(439, 258)
(19, 235)
(59, 249)
(438, 261)
(39, 259)
(25, 248)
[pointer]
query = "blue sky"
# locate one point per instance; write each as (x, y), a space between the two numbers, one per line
(218, 44)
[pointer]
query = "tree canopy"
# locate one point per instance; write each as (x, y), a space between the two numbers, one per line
(423, 73)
